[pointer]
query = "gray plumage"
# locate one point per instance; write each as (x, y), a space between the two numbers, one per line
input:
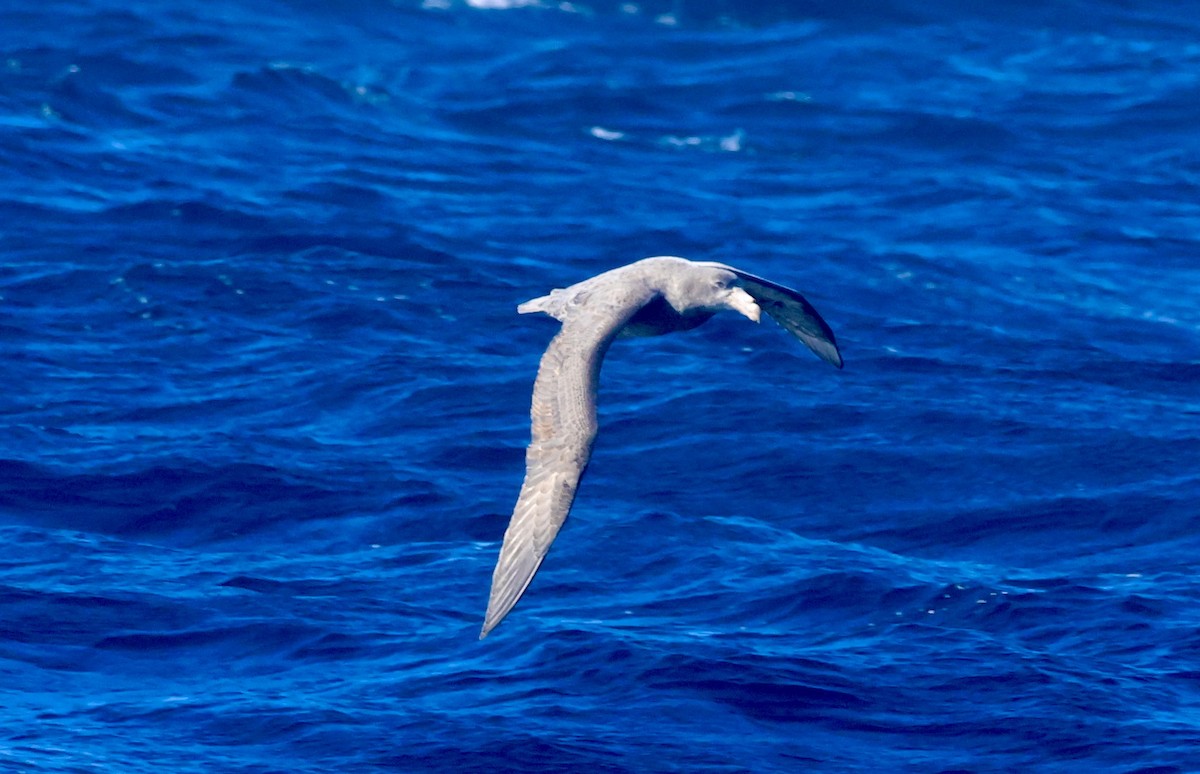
(647, 298)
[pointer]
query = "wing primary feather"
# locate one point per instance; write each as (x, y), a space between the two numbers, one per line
(793, 311)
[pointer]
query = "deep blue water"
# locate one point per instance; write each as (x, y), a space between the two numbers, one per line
(266, 394)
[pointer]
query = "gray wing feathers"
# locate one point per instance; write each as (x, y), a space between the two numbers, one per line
(563, 431)
(792, 310)
(563, 426)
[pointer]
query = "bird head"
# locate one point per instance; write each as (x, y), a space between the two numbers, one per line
(709, 289)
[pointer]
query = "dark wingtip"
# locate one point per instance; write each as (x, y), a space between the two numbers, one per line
(793, 311)
(823, 346)
(835, 354)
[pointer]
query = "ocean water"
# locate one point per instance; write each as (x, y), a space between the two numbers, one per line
(266, 394)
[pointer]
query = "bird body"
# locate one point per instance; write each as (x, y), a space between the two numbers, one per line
(651, 297)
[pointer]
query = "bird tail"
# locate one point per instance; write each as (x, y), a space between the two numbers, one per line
(551, 304)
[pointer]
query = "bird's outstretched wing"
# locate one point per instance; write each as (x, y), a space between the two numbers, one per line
(793, 312)
(563, 428)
